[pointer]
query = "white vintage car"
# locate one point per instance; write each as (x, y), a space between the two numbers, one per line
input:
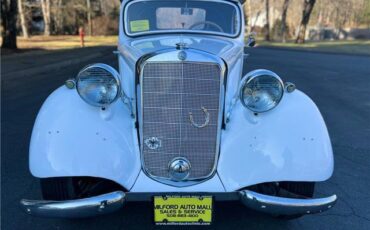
(179, 125)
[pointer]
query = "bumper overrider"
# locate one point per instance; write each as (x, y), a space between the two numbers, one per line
(111, 202)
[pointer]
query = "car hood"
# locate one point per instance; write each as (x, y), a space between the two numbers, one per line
(228, 49)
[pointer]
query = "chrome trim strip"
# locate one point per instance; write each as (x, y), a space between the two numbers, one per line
(174, 138)
(168, 56)
(198, 94)
(235, 4)
(285, 206)
(176, 123)
(153, 107)
(186, 78)
(80, 208)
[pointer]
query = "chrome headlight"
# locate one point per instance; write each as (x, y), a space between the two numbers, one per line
(261, 90)
(98, 84)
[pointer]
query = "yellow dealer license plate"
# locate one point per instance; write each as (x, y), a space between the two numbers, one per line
(183, 210)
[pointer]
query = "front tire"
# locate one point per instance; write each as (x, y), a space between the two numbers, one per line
(287, 190)
(69, 188)
(304, 189)
(57, 188)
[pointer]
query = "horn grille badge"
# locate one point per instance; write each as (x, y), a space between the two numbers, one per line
(182, 55)
(153, 143)
(206, 119)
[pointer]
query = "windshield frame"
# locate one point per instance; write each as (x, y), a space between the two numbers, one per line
(177, 31)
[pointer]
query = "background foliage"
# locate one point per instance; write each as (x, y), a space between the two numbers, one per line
(277, 20)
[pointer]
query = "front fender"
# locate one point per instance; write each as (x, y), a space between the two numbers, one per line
(72, 138)
(288, 143)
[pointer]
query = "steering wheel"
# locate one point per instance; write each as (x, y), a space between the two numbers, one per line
(207, 23)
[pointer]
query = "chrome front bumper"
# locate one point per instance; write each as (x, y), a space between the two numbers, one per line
(286, 206)
(114, 201)
(80, 208)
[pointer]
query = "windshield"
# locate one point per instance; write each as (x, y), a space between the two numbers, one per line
(198, 16)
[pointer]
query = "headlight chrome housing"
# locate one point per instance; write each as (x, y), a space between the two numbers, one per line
(98, 84)
(261, 90)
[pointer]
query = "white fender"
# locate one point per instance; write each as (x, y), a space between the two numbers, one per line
(72, 138)
(288, 143)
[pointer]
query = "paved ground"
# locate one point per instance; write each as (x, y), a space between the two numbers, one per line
(339, 84)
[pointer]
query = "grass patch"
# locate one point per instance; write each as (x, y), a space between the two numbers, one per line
(69, 42)
(348, 47)
(64, 42)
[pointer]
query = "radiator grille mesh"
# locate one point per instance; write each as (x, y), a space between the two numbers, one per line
(170, 91)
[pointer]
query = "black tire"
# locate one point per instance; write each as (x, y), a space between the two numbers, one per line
(304, 189)
(294, 190)
(57, 188)
(69, 188)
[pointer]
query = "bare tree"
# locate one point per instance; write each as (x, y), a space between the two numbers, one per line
(267, 25)
(88, 4)
(248, 14)
(57, 15)
(23, 19)
(9, 24)
(45, 6)
(283, 19)
(307, 10)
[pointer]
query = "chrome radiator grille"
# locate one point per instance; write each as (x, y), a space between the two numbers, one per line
(170, 92)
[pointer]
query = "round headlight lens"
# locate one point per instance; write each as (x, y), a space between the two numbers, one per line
(261, 90)
(98, 84)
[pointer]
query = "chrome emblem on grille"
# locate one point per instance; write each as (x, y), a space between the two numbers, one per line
(153, 143)
(206, 119)
(182, 55)
(179, 168)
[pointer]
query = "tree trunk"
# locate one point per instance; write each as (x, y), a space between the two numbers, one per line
(283, 19)
(307, 10)
(319, 20)
(58, 18)
(247, 17)
(249, 11)
(45, 6)
(23, 19)
(9, 24)
(89, 17)
(267, 26)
